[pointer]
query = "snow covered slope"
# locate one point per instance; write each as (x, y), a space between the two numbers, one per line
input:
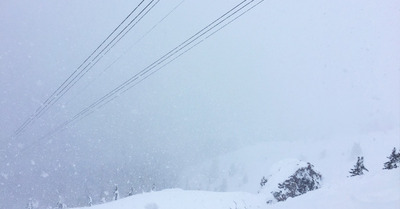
(240, 172)
(367, 192)
(378, 190)
(333, 158)
(177, 199)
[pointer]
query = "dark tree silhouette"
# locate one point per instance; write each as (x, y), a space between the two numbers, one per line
(263, 181)
(302, 181)
(394, 160)
(116, 193)
(358, 168)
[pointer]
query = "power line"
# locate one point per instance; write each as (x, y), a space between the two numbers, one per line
(131, 24)
(143, 74)
(130, 47)
(53, 95)
(163, 58)
(218, 24)
(200, 41)
(79, 73)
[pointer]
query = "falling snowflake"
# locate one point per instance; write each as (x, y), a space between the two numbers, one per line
(44, 174)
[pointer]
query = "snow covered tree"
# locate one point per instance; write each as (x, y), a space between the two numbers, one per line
(356, 151)
(305, 179)
(394, 160)
(116, 193)
(130, 192)
(263, 181)
(29, 205)
(104, 196)
(61, 205)
(90, 201)
(32, 204)
(358, 168)
(223, 186)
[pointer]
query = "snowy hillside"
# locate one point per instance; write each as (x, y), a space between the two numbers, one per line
(242, 170)
(367, 192)
(237, 176)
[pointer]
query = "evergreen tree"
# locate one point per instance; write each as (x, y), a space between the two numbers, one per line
(116, 193)
(130, 192)
(358, 168)
(394, 160)
(305, 179)
(90, 201)
(61, 205)
(29, 205)
(263, 181)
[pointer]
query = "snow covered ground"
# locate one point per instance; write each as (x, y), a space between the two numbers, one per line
(232, 180)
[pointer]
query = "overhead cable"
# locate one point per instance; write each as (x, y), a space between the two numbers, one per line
(221, 22)
(89, 62)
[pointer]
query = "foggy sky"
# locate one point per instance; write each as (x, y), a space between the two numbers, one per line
(284, 71)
